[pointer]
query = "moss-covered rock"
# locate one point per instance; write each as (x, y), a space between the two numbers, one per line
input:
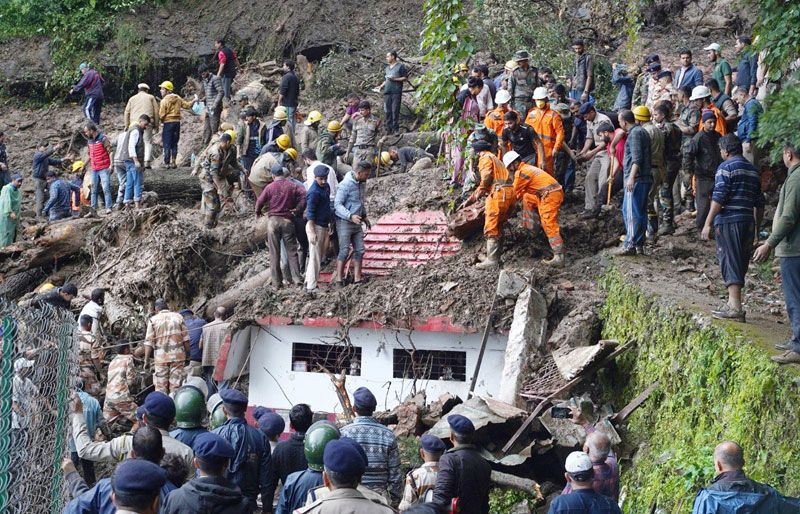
(713, 385)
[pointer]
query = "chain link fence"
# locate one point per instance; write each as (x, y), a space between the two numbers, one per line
(38, 368)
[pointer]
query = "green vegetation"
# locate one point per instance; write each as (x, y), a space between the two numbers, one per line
(501, 501)
(713, 385)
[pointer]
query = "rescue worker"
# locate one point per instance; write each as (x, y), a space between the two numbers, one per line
(250, 469)
(167, 337)
(272, 154)
(98, 146)
(189, 405)
(662, 114)
(704, 158)
(328, 147)
(134, 164)
(218, 166)
(144, 103)
(121, 382)
(90, 357)
(58, 205)
(10, 202)
(642, 115)
(495, 118)
(539, 191)
(548, 126)
(701, 96)
(421, 481)
(310, 136)
(519, 137)
(363, 145)
(725, 104)
(169, 110)
(248, 138)
(212, 87)
(687, 122)
(496, 185)
(524, 79)
(299, 484)
(277, 127)
(413, 156)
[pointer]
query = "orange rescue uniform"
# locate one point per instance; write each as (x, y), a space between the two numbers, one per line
(541, 192)
(549, 127)
(494, 120)
(721, 126)
(496, 182)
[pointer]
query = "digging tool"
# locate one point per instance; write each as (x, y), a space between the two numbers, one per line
(484, 339)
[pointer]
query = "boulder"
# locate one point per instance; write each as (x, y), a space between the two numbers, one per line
(580, 327)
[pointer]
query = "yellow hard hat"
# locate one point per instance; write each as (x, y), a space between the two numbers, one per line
(226, 127)
(231, 133)
(280, 114)
(334, 126)
(77, 165)
(283, 141)
(313, 117)
(167, 85)
(291, 152)
(385, 158)
(641, 113)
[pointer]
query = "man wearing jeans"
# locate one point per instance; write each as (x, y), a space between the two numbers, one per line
(318, 214)
(638, 177)
(350, 213)
(785, 239)
(392, 87)
(212, 86)
(134, 165)
(42, 160)
(120, 156)
(289, 93)
(99, 147)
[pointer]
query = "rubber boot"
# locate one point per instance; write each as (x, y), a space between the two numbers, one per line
(492, 255)
(557, 261)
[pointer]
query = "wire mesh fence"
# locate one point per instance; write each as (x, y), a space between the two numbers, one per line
(38, 368)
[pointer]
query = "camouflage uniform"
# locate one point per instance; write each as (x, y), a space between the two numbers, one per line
(88, 352)
(521, 87)
(215, 173)
(364, 139)
(119, 401)
(167, 335)
(419, 482)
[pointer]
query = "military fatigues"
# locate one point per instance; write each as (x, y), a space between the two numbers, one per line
(690, 116)
(364, 139)
(354, 501)
(119, 400)
(521, 87)
(419, 482)
(217, 168)
(167, 334)
(88, 352)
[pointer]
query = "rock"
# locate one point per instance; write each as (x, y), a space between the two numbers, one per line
(580, 327)
(256, 95)
(409, 416)
(440, 408)
(510, 285)
(522, 507)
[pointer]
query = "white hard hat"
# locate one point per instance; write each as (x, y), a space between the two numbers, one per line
(540, 93)
(713, 46)
(510, 157)
(700, 92)
(502, 97)
(578, 462)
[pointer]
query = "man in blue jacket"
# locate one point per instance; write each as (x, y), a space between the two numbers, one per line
(319, 215)
(250, 468)
(733, 492)
(350, 214)
(42, 160)
(58, 206)
(748, 123)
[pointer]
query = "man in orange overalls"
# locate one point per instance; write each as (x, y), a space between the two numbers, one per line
(548, 126)
(495, 118)
(539, 191)
(496, 182)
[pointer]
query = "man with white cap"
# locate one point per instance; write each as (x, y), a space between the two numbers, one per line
(583, 498)
(721, 70)
(144, 103)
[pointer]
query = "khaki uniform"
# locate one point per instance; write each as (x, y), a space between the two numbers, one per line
(167, 335)
(261, 171)
(214, 174)
(88, 351)
(419, 482)
(364, 139)
(119, 401)
(169, 110)
(309, 139)
(521, 87)
(139, 104)
(353, 501)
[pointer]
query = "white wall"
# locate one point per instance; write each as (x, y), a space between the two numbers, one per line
(274, 384)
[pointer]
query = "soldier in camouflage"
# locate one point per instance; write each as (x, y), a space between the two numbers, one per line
(524, 79)
(364, 138)
(217, 170)
(90, 357)
(121, 382)
(168, 337)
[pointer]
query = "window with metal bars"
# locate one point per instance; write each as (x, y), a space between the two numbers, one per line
(318, 358)
(429, 365)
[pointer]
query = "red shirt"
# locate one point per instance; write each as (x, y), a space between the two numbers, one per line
(223, 59)
(282, 198)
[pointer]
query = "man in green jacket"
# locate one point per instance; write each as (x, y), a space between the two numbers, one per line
(10, 197)
(785, 239)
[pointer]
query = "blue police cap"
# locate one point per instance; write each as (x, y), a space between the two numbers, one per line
(140, 412)
(460, 424)
(432, 444)
(343, 457)
(211, 448)
(259, 411)
(586, 108)
(233, 397)
(159, 404)
(271, 424)
(138, 476)
(364, 400)
(320, 170)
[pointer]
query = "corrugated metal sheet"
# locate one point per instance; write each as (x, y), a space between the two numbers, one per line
(409, 239)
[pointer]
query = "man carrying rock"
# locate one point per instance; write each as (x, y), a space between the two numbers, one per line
(144, 103)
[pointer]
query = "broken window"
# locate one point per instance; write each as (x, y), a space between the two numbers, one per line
(319, 358)
(430, 365)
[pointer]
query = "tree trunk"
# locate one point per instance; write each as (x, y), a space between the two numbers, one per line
(232, 296)
(515, 482)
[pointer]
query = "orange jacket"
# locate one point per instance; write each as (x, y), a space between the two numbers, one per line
(548, 125)
(532, 180)
(492, 172)
(494, 120)
(721, 127)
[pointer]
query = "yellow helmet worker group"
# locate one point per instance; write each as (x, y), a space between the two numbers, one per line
(167, 85)
(283, 141)
(334, 126)
(280, 114)
(291, 153)
(641, 113)
(313, 117)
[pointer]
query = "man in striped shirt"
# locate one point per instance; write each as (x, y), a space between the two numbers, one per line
(380, 444)
(737, 206)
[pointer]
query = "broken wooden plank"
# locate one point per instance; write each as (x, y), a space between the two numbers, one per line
(637, 402)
